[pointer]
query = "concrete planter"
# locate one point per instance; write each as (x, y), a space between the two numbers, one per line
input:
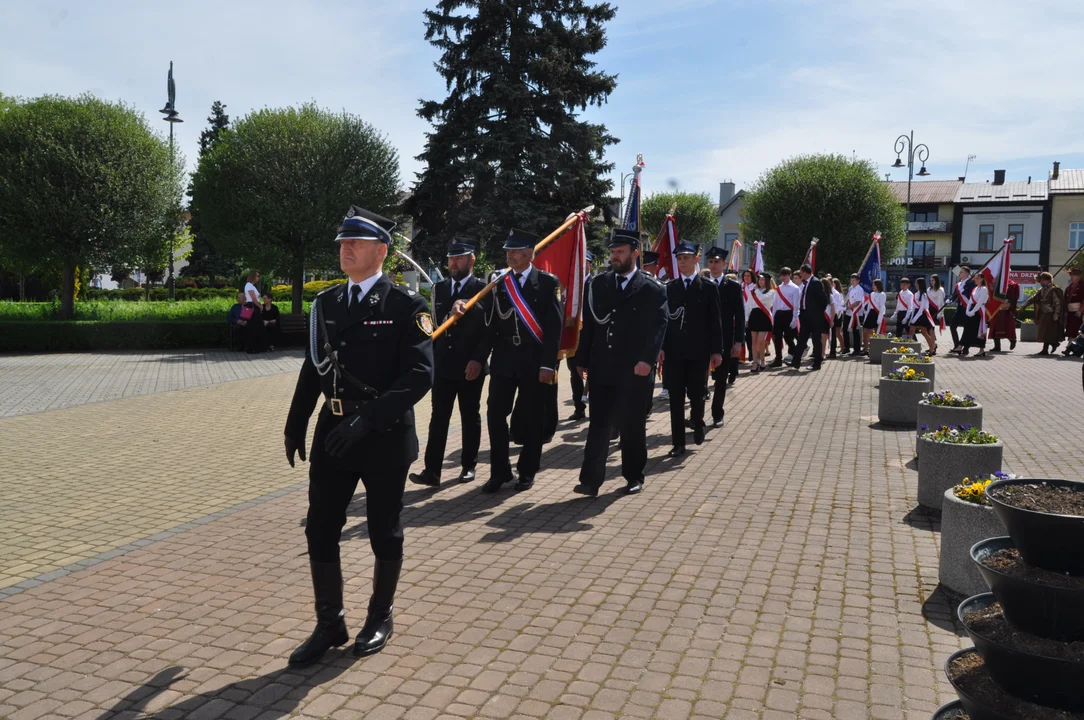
(934, 416)
(897, 403)
(888, 358)
(926, 369)
(941, 465)
(962, 525)
(877, 346)
(1029, 332)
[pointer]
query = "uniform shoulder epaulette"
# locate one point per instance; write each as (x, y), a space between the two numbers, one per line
(405, 290)
(333, 288)
(549, 275)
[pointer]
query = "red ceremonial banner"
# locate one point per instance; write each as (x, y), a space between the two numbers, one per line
(566, 257)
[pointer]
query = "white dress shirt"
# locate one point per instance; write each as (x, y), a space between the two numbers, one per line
(366, 285)
(878, 301)
(937, 297)
(856, 298)
(904, 301)
(792, 293)
(978, 300)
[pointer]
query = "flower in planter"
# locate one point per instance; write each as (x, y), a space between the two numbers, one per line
(880, 336)
(946, 398)
(974, 490)
(959, 435)
(920, 359)
(906, 373)
(902, 349)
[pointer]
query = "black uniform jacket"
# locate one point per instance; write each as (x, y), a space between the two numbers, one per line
(384, 344)
(541, 290)
(633, 332)
(731, 313)
(459, 344)
(816, 300)
(696, 333)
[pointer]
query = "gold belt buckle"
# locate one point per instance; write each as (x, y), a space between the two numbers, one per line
(336, 406)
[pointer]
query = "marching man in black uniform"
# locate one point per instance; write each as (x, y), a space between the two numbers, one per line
(371, 356)
(693, 343)
(524, 333)
(623, 328)
(732, 319)
(812, 302)
(460, 368)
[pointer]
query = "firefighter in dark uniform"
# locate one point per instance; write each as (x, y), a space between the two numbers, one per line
(460, 369)
(692, 345)
(371, 357)
(732, 319)
(623, 327)
(524, 323)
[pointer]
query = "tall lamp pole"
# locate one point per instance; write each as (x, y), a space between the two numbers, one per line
(172, 118)
(907, 143)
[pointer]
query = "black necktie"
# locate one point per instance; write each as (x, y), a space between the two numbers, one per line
(519, 279)
(687, 281)
(455, 289)
(355, 297)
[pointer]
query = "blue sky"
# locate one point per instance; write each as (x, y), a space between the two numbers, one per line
(707, 91)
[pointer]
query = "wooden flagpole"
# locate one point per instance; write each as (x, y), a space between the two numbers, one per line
(572, 219)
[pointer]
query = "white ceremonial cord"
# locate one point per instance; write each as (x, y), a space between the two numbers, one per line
(591, 305)
(322, 367)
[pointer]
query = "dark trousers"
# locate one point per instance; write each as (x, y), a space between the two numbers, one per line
(502, 398)
(748, 343)
(685, 377)
(972, 338)
(782, 331)
(255, 332)
(955, 325)
(901, 329)
(732, 366)
(273, 334)
(445, 393)
(331, 488)
(810, 325)
(621, 407)
(718, 397)
(852, 336)
(577, 384)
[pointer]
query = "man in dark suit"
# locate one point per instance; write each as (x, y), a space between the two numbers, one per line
(623, 328)
(961, 295)
(524, 333)
(732, 320)
(574, 378)
(460, 374)
(372, 358)
(812, 303)
(693, 343)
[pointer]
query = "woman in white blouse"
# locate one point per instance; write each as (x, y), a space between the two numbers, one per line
(975, 323)
(875, 313)
(256, 337)
(937, 300)
(759, 318)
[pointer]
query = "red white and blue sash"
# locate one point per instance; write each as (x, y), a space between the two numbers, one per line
(523, 310)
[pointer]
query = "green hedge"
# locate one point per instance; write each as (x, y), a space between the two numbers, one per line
(60, 336)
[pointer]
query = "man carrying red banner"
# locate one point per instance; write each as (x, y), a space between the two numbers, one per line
(1003, 323)
(524, 325)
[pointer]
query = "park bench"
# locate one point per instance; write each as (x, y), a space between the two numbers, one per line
(294, 328)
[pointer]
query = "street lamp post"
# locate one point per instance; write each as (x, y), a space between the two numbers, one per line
(171, 117)
(906, 143)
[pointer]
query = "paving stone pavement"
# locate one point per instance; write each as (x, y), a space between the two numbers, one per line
(35, 383)
(778, 571)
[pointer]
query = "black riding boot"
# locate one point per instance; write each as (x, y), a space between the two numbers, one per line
(327, 585)
(378, 626)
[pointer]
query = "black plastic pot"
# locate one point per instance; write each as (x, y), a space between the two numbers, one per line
(974, 708)
(1043, 610)
(1035, 678)
(1048, 541)
(952, 711)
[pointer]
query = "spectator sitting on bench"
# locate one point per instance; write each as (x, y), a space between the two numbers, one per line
(233, 317)
(271, 320)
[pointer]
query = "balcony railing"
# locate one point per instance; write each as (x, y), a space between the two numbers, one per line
(935, 226)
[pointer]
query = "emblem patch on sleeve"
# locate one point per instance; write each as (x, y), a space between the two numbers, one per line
(425, 323)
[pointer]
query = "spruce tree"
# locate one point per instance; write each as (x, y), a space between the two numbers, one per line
(507, 148)
(204, 260)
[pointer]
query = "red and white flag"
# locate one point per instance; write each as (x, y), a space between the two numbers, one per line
(566, 257)
(733, 264)
(758, 260)
(996, 274)
(665, 245)
(811, 255)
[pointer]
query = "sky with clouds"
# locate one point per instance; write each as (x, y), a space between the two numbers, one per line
(707, 90)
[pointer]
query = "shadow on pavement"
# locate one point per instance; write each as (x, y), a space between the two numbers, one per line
(922, 518)
(940, 610)
(270, 696)
(566, 516)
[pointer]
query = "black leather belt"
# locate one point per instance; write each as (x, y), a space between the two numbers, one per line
(339, 407)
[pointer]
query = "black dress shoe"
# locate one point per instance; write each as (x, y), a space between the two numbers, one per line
(676, 451)
(426, 478)
(525, 482)
(492, 485)
(587, 490)
(777, 363)
(1012, 344)
(698, 435)
(467, 475)
(580, 414)
(634, 488)
(689, 423)
(797, 365)
(815, 366)
(717, 422)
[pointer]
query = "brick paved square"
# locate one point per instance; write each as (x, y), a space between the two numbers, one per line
(154, 566)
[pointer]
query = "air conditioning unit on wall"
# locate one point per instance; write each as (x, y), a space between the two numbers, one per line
(965, 259)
